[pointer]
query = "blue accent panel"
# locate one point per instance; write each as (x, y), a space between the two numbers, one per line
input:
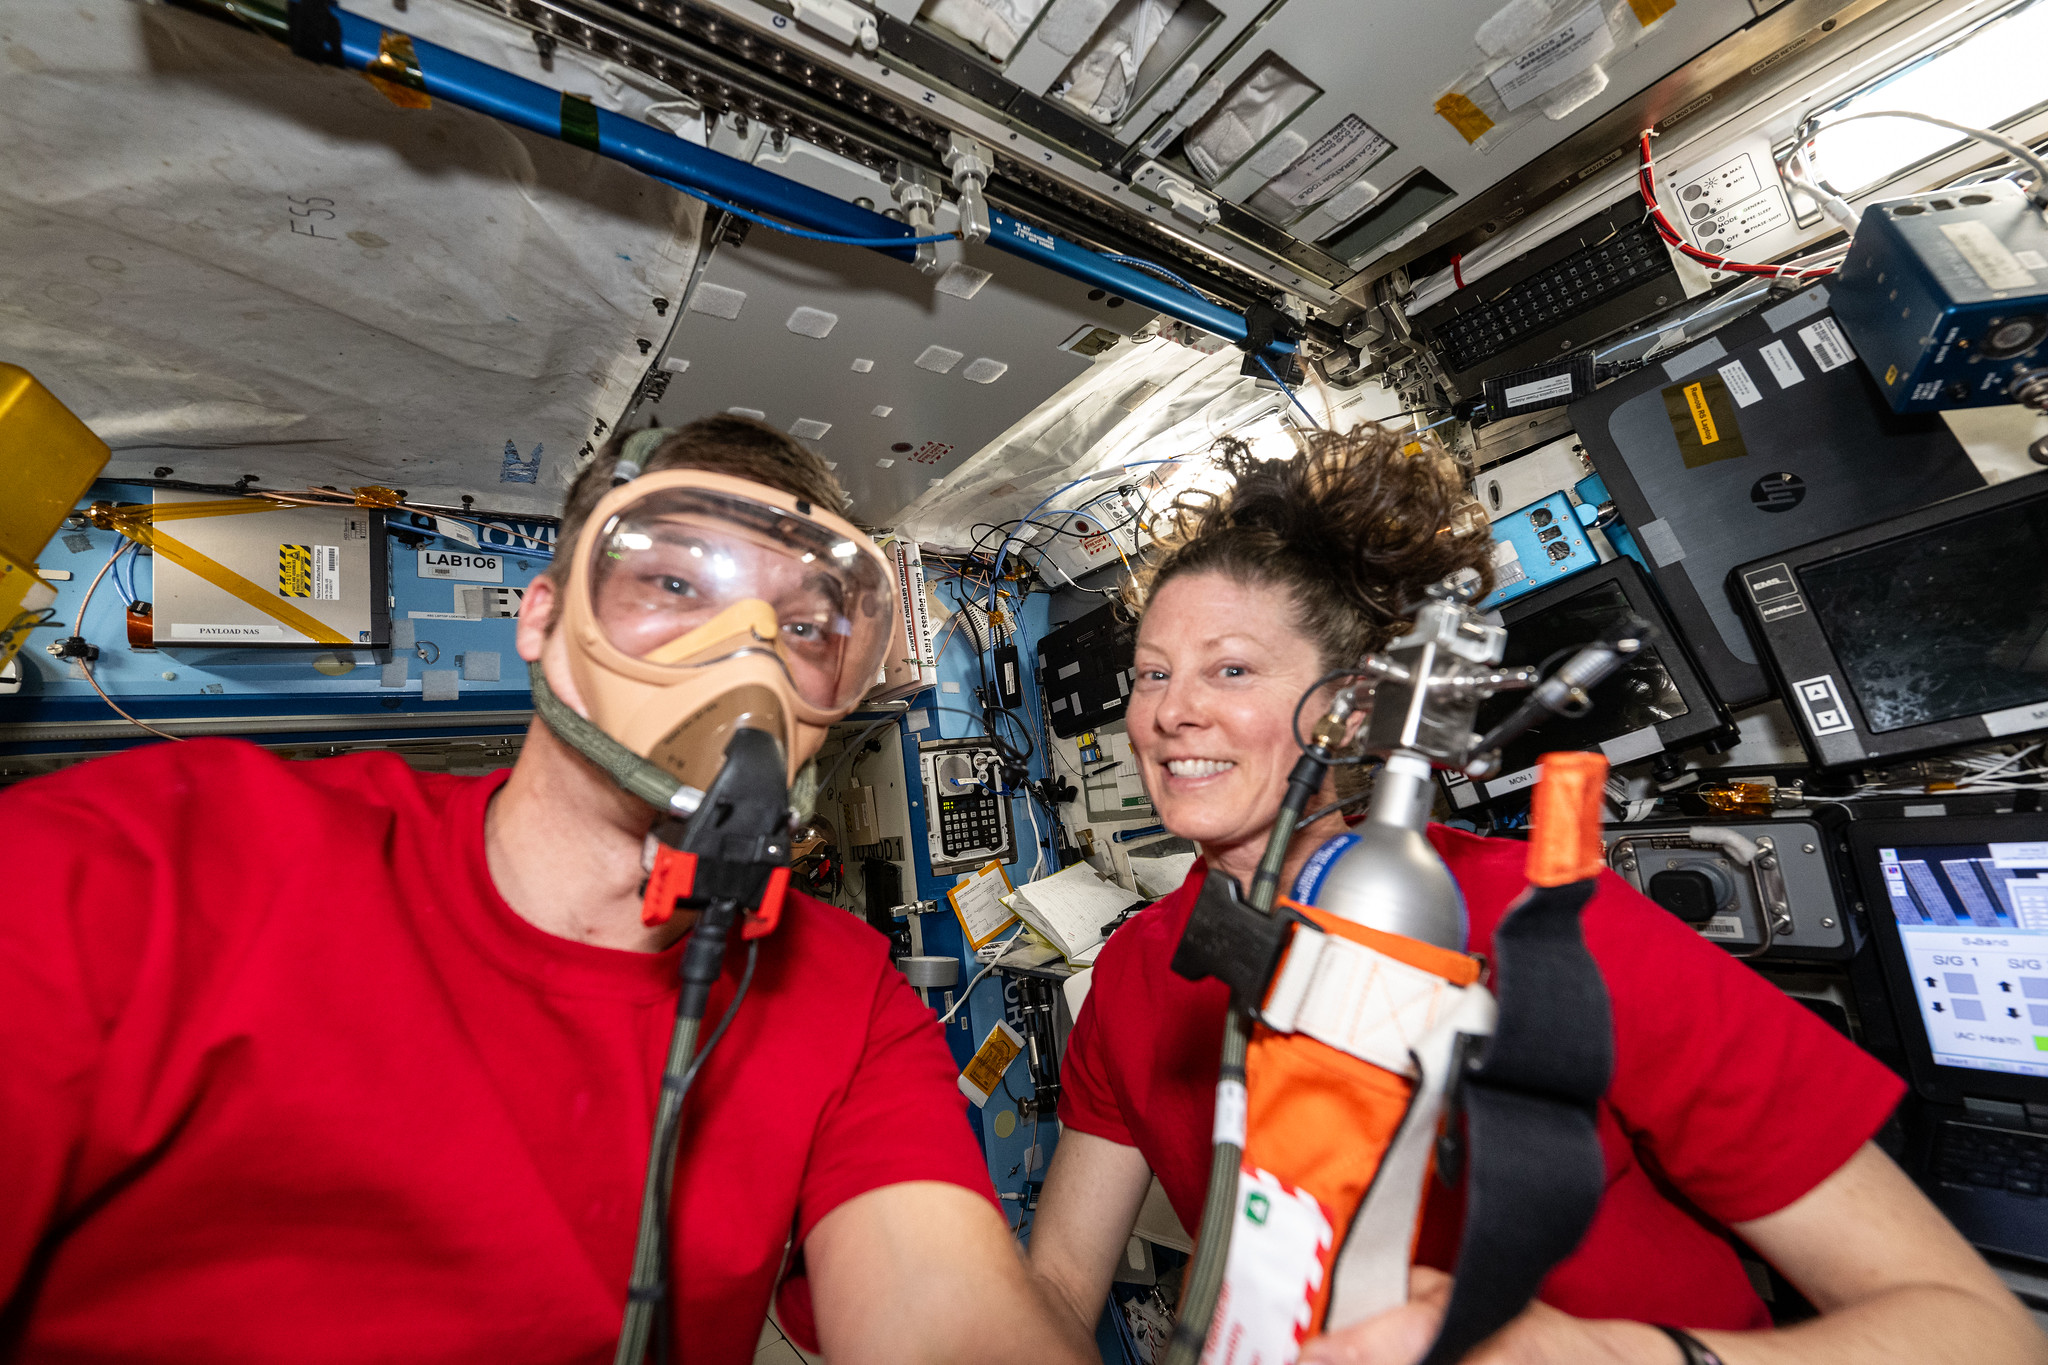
(1591, 492)
(1310, 879)
(537, 108)
(272, 682)
(1549, 545)
(1089, 267)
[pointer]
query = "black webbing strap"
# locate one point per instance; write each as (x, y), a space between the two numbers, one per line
(1535, 1172)
(315, 32)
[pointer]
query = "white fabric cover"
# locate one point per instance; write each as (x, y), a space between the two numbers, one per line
(994, 26)
(1262, 102)
(229, 261)
(1102, 82)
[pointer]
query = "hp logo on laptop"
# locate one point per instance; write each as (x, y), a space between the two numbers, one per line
(1777, 492)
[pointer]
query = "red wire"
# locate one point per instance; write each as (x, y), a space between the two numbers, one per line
(1645, 184)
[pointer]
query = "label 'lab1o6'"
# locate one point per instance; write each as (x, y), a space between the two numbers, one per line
(462, 565)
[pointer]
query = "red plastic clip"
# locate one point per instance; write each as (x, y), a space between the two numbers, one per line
(762, 922)
(675, 872)
(1457, 271)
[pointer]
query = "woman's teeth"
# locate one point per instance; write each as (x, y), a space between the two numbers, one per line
(1198, 767)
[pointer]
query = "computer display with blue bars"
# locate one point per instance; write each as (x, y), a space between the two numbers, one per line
(1973, 919)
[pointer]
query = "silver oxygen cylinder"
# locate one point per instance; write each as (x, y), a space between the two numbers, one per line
(1427, 688)
(1385, 874)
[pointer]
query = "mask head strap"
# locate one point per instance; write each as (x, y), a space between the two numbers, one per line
(634, 454)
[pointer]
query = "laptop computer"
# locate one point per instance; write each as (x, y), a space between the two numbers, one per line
(1958, 907)
(1802, 449)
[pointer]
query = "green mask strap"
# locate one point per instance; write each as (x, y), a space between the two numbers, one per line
(652, 784)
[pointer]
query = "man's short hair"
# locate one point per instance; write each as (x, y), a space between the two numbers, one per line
(738, 446)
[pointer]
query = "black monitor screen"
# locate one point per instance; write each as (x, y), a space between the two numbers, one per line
(1948, 623)
(1640, 695)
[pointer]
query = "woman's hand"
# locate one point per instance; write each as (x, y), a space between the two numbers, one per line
(1541, 1335)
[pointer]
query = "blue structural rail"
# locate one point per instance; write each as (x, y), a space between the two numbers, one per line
(471, 84)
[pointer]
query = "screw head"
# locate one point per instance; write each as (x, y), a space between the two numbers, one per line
(1827, 923)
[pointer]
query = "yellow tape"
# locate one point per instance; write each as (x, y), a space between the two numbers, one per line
(1468, 118)
(1696, 400)
(396, 73)
(134, 521)
(1649, 12)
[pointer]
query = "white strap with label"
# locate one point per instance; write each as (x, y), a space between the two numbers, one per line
(1357, 1000)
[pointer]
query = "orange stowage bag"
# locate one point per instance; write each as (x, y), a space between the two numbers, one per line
(1318, 1120)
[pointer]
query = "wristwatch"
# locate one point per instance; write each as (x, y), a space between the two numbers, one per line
(1695, 1350)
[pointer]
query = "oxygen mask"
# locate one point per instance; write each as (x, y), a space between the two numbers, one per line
(700, 604)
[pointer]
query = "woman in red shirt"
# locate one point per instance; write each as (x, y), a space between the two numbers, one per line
(1732, 1110)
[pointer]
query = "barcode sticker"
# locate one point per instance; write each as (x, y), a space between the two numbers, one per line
(1740, 386)
(1777, 358)
(1829, 347)
(326, 573)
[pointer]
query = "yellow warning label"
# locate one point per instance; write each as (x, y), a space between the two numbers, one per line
(1649, 12)
(1891, 375)
(983, 1074)
(295, 570)
(1461, 113)
(1696, 400)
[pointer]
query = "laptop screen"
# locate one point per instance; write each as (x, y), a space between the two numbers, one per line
(1973, 920)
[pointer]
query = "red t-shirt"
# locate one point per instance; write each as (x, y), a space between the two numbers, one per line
(285, 1078)
(1729, 1101)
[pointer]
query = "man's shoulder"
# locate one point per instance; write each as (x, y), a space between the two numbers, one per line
(167, 794)
(829, 945)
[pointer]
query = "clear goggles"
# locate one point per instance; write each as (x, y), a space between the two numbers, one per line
(686, 577)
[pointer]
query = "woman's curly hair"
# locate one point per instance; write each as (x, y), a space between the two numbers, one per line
(1354, 528)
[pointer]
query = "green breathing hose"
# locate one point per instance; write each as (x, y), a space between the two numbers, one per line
(646, 781)
(1219, 1207)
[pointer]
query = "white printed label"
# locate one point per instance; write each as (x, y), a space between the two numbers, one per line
(1740, 385)
(1995, 265)
(2032, 260)
(1272, 1274)
(1230, 1114)
(1562, 54)
(455, 531)
(462, 566)
(326, 573)
(1337, 157)
(1501, 786)
(2018, 720)
(1553, 389)
(1778, 360)
(230, 634)
(1829, 347)
(1722, 926)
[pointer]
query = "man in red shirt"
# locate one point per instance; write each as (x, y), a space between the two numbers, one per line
(340, 1061)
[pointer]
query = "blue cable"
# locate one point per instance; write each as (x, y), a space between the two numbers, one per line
(119, 586)
(1149, 268)
(1003, 551)
(1275, 375)
(736, 211)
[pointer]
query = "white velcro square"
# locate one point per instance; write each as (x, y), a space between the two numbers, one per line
(718, 301)
(863, 365)
(961, 280)
(812, 322)
(755, 413)
(985, 371)
(809, 429)
(939, 359)
(1357, 1000)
